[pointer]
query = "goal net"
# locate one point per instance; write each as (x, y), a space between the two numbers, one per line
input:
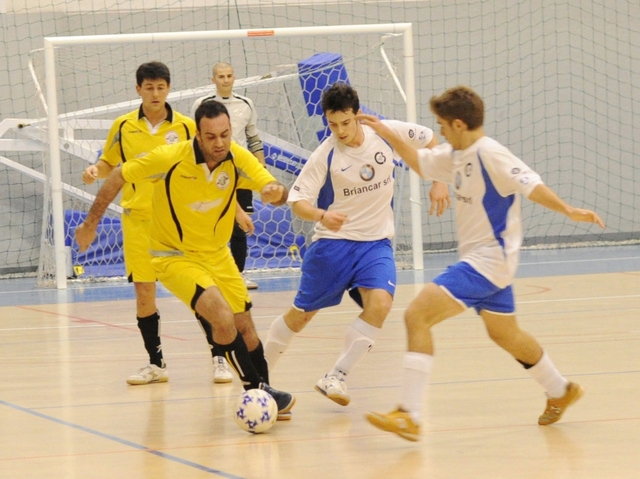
(284, 71)
(558, 78)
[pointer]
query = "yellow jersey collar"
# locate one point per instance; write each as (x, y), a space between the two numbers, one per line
(169, 117)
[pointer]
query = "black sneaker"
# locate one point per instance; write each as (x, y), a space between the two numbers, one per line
(285, 401)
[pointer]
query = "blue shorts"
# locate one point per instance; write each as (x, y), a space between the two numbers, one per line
(468, 286)
(332, 266)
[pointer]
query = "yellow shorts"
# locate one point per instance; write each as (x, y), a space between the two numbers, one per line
(187, 276)
(136, 245)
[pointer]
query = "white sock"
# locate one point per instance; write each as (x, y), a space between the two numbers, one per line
(358, 341)
(546, 374)
(278, 339)
(415, 376)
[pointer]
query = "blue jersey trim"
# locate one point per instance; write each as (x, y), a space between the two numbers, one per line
(327, 195)
(496, 206)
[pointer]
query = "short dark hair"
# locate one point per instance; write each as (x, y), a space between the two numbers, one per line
(340, 97)
(153, 71)
(210, 109)
(459, 103)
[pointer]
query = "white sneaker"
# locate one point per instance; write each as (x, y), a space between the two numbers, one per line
(249, 284)
(334, 388)
(149, 374)
(221, 371)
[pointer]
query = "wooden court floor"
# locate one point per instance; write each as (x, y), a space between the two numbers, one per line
(66, 411)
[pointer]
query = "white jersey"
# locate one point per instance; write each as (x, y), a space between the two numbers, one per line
(242, 114)
(488, 181)
(358, 182)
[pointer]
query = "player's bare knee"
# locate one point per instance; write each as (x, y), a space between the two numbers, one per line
(212, 306)
(383, 306)
(244, 324)
(376, 314)
(414, 317)
(499, 338)
(296, 319)
(505, 337)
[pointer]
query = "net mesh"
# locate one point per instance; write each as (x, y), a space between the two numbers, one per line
(556, 77)
(286, 83)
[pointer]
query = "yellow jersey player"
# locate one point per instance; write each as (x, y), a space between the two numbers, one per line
(245, 132)
(133, 135)
(194, 204)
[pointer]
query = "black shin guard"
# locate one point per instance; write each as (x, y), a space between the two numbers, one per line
(260, 362)
(150, 329)
(208, 332)
(237, 355)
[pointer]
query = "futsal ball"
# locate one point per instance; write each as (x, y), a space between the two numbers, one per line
(256, 411)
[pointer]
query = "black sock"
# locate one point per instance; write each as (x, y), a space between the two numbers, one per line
(260, 363)
(150, 329)
(208, 332)
(239, 359)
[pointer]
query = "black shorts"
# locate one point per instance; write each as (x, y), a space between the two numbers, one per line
(245, 200)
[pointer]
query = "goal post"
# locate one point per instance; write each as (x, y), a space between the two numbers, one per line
(559, 97)
(53, 44)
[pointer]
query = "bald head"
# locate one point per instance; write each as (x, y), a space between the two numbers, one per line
(223, 79)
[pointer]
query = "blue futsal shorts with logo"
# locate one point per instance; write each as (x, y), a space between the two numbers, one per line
(332, 266)
(473, 290)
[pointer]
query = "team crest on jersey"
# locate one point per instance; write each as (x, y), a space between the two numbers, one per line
(171, 137)
(223, 181)
(422, 135)
(524, 180)
(468, 169)
(515, 171)
(380, 158)
(367, 172)
(412, 133)
(458, 181)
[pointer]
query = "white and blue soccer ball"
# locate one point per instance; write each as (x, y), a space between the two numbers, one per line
(256, 411)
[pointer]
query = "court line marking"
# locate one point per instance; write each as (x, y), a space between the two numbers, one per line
(124, 284)
(92, 322)
(119, 440)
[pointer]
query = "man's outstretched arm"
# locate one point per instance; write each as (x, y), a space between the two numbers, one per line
(86, 232)
(543, 195)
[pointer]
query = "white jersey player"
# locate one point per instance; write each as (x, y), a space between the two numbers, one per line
(356, 181)
(488, 181)
(347, 188)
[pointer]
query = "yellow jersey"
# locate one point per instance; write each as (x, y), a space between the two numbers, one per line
(193, 208)
(132, 136)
